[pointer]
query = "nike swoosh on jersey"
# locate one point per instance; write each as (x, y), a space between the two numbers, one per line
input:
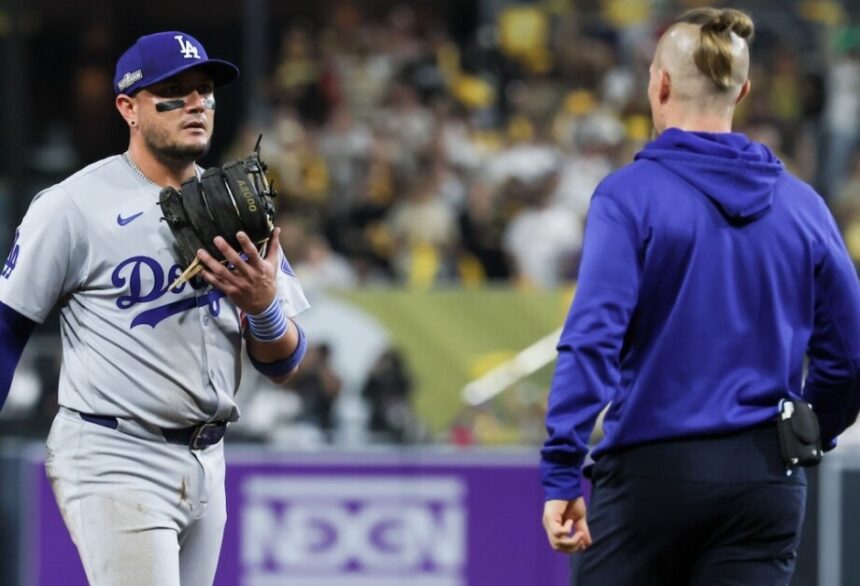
(123, 221)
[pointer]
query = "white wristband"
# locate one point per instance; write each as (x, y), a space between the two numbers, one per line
(269, 325)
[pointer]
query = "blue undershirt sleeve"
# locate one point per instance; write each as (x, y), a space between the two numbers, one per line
(287, 365)
(15, 330)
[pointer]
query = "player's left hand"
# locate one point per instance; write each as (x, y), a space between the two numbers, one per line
(251, 283)
(565, 525)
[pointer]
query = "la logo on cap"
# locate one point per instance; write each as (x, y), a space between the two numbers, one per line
(154, 58)
(187, 48)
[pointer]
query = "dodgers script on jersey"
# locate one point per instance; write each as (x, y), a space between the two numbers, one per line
(132, 347)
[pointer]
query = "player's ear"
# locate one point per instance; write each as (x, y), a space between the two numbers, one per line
(127, 108)
(665, 87)
(745, 89)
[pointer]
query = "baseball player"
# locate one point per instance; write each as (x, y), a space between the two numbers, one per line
(146, 390)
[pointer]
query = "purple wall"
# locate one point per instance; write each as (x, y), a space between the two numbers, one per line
(383, 519)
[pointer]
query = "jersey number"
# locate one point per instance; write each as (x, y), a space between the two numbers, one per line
(12, 259)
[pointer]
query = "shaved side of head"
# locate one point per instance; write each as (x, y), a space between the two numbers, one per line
(705, 53)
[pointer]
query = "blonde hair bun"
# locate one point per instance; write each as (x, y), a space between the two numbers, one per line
(713, 55)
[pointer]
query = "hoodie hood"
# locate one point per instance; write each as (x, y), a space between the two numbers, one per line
(734, 172)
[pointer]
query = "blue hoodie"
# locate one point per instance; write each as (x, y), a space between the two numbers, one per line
(708, 272)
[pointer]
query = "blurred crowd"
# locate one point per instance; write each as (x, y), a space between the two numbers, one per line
(408, 153)
(405, 156)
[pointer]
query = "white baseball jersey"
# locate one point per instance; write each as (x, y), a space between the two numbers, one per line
(95, 244)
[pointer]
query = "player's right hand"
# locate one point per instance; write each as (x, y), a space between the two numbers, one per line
(565, 525)
(252, 283)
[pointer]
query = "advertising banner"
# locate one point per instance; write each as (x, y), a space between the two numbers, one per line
(392, 518)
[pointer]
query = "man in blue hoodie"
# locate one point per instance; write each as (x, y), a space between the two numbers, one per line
(708, 273)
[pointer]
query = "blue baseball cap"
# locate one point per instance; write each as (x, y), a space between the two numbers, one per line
(156, 57)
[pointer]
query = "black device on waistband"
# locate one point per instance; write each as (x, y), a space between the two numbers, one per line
(799, 434)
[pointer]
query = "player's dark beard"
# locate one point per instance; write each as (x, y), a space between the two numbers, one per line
(173, 153)
(182, 154)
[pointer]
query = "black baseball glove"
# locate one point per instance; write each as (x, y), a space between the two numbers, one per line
(221, 202)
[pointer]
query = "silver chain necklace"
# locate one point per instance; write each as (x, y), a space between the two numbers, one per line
(138, 171)
(197, 170)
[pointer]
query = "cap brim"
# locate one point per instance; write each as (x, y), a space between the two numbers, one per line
(222, 72)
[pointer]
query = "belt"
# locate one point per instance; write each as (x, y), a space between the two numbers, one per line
(197, 437)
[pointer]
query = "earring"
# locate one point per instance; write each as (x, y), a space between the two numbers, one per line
(133, 123)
